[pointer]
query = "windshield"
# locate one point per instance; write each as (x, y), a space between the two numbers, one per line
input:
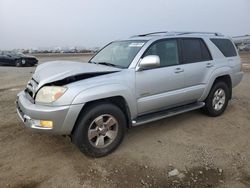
(119, 54)
(13, 53)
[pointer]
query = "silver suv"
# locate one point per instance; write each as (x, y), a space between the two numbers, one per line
(128, 83)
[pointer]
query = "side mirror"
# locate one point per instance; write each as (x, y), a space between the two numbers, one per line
(148, 62)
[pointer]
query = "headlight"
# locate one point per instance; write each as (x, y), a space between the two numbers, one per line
(48, 94)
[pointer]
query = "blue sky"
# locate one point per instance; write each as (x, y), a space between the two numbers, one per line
(90, 23)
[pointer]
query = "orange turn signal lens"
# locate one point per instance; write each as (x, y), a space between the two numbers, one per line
(46, 124)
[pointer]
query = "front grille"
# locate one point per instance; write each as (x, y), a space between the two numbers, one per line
(19, 110)
(31, 88)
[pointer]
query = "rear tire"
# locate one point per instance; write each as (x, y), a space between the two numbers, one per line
(99, 130)
(217, 100)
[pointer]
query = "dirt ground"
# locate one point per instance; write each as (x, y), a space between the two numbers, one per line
(207, 152)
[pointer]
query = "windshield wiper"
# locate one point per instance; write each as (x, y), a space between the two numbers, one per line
(109, 64)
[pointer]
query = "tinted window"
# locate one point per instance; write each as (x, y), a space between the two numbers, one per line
(167, 51)
(206, 56)
(194, 50)
(225, 46)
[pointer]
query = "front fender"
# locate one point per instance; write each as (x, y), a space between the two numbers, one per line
(223, 71)
(107, 91)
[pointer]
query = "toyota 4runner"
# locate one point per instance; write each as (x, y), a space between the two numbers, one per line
(128, 83)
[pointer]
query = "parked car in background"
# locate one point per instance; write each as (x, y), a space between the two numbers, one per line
(128, 83)
(16, 59)
(244, 47)
(247, 47)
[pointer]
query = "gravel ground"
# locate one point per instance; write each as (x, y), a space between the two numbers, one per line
(188, 150)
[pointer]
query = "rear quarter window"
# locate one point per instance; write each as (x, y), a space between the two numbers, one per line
(194, 50)
(225, 46)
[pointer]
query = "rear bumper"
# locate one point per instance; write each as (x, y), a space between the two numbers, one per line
(63, 117)
(237, 78)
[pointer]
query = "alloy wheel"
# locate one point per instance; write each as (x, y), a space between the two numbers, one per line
(102, 131)
(219, 99)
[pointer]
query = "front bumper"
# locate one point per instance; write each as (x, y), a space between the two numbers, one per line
(63, 117)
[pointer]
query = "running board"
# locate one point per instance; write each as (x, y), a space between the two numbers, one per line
(166, 113)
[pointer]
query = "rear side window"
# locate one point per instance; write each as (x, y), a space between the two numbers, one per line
(194, 50)
(225, 46)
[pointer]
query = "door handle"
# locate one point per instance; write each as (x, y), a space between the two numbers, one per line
(209, 65)
(178, 70)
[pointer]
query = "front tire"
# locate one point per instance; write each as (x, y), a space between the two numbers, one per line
(18, 63)
(217, 100)
(99, 130)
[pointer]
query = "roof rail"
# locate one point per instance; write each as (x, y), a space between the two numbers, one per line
(177, 33)
(210, 33)
(153, 33)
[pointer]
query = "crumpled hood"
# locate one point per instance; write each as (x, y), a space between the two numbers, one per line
(58, 70)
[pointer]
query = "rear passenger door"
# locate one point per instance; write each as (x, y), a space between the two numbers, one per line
(198, 65)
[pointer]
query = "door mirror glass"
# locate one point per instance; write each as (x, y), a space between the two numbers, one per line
(150, 61)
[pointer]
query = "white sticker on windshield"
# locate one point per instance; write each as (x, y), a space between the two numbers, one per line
(140, 44)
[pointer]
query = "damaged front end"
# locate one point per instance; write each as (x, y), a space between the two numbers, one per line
(78, 77)
(46, 102)
(33, 87)
(60, 73)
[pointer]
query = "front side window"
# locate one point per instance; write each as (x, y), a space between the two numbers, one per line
(118, 54)
(167, 51)
(194, 50)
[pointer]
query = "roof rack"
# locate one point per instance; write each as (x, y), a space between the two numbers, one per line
(210, 33)
(177, 33)
(152, 33)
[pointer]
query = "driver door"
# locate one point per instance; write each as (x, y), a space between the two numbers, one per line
(161, 88)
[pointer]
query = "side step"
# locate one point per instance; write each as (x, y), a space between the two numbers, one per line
(166, 113)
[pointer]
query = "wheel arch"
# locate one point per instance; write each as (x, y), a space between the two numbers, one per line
(118, 100)
(226, 79)
(223, 76)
